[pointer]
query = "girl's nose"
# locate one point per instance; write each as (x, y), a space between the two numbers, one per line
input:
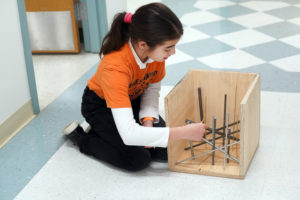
(173, 52)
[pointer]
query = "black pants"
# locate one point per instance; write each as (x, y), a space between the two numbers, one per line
(104, 142)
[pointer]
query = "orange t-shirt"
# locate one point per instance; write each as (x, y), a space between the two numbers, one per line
(119, 78)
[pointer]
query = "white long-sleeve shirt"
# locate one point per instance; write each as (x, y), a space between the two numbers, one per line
(134, 134)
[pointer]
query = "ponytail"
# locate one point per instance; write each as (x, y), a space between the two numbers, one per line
(153, 23)
(117, 36)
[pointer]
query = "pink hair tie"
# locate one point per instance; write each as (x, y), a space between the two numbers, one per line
(127, 18)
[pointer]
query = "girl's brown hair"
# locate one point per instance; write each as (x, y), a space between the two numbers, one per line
(153, 23)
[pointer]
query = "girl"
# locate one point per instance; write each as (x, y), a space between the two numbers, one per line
(120, 101)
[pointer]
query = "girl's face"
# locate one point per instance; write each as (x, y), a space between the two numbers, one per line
(164, 51)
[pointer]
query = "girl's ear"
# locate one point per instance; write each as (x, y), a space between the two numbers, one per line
(143, 45)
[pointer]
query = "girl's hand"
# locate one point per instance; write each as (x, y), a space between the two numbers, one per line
(195, 131)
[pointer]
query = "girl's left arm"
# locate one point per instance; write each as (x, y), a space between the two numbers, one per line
(150, 102)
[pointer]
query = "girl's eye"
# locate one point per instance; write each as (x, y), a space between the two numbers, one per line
(167, 50)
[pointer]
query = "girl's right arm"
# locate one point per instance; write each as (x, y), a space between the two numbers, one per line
(192, 132)
(134, 134)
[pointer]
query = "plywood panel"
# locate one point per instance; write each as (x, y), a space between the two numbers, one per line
(250, 124)
(214, 85)
(176, 111)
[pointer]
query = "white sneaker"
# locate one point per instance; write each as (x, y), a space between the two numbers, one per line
(70, 128)
(85, 126)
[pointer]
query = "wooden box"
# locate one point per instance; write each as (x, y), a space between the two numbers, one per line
(243, 105)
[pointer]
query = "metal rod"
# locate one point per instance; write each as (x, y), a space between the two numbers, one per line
(200, 104)
(237, 122)
(204, 153)
(233, 132)
(234, 113)
(187, 121)
(224, 117)
(192, 149)
(233, 138)
(230, 156)
(205, 109)
(204, 114)
(231, 145)
(209, 129)
(226, 138)
(191, 143)
(196, 156)
(213, 137)
(228, 143)
(196, 145)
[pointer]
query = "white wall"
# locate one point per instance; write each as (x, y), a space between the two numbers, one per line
(14, 89)
(113, 7)
(133, 5)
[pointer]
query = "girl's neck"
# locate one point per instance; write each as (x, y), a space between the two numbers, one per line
(139, 52)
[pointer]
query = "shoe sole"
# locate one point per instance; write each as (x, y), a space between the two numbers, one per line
(70, 128)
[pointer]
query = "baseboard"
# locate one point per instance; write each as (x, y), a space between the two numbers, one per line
(13, 124)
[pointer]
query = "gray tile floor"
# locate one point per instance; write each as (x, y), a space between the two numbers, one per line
(241, 35)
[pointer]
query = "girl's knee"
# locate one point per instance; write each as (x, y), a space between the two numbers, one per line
(139, 165)
(139, 161)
